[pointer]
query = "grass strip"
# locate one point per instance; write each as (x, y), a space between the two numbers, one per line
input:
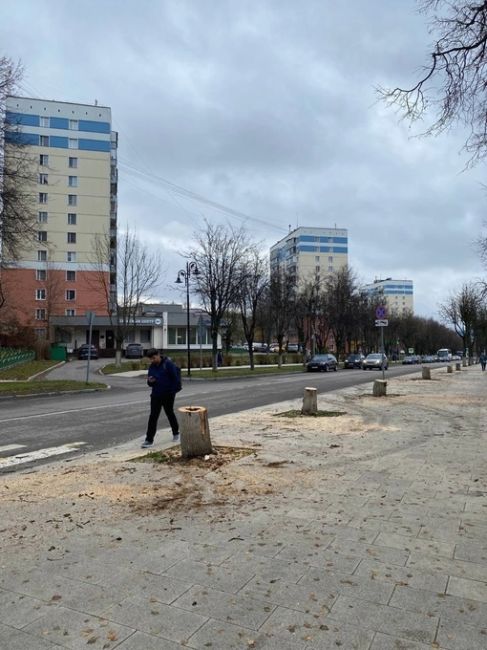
(46, 386)
(26, 370)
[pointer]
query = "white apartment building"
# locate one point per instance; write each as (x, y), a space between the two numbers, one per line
(397, 295)
(310, 253)
(73, 155)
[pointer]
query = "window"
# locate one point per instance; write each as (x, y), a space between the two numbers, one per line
(71, 219)
(317, 259)
(40, 314)
(330, 268)
(317, 268)
(71, 276)
(42, 217)
(72, 199)
(42, 235)
(40, 294)
(72, 143)
(40, 332)
(70, 294)
(43, 160)
(73, 125)
(43, 179)
(42, 197)
(41, 274)
(330, 260)
(44, 140)
(44, 121)
(73, 162)
(145, 336)
(71, 238)
(71, 256)
(41, 256)
(70, 312)
(176, 335)
(73, 181)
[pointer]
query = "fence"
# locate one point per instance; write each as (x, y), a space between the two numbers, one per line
(10, 357)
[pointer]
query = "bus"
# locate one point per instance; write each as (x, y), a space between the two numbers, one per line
(444, 354)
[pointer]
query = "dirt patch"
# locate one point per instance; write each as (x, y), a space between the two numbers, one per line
(319, 414)
(220, 456)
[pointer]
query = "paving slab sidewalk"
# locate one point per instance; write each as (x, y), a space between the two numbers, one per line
(363, 531)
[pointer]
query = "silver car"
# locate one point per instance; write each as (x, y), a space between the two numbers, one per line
(375, 360)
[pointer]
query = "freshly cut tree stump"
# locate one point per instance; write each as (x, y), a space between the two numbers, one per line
(458, 366)
(426, 373)
(195, 431)
(449, 369)
(310, 402)
(464, 362)
(380, 388)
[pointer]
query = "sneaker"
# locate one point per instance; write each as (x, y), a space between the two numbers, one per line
(175, 437)
(146, 444)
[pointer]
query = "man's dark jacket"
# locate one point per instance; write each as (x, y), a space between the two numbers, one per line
(166, 377)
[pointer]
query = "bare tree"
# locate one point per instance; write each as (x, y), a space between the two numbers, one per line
(341, 301)
(282, 289)
(219, 253)
(462, 310)
(254, 280)
(307, 313)
(138, 273)
(454, 81)
(17, 178)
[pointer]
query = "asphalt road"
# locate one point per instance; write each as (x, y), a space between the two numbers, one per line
(100, 420)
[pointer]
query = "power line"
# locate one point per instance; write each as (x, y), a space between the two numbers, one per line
(182, 191)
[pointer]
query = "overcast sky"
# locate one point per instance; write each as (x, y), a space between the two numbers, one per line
(268, 107)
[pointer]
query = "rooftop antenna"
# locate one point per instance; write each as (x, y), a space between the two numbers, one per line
(96, 102)
(289, 227)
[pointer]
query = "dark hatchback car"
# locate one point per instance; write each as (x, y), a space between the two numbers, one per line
(322, 363)
(87, 350)
(353, 361)
(134, 351)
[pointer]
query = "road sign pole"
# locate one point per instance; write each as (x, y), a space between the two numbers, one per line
(90, 315)
(382, 349)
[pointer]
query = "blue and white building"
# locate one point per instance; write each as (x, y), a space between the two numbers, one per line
(397, 295)
(310, 254)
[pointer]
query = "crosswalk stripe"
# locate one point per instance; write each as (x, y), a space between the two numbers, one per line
(11, 447)
(29, 457)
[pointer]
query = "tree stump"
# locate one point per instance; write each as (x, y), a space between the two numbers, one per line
(464, 362)
(458, 366)
(426, 373)
(195, 431)
(449, 369)
(310, 402)
(380, 388)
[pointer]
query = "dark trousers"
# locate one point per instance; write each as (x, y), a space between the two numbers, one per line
(158, 402)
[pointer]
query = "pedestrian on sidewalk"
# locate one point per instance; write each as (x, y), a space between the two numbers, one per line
(164, 379)
(483, 360)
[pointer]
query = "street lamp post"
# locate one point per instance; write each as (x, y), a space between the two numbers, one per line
(191, 269)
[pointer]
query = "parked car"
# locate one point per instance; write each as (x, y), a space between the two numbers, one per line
(85, 351)
(354, 361)
(292, 347)
(260, 347)
(322, 363)
(134, 351)
(274, 347)
(375, 360)
(411, 359)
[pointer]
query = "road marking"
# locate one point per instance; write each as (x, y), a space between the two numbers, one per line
(29, 457)
(11, 447)
(87, 408)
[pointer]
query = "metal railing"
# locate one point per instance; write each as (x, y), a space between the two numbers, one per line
(10, 357)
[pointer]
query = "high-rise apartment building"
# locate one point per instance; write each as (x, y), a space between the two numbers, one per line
(72, 151)
(309, 254)
(397, 295)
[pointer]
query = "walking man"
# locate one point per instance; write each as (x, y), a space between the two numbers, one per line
(483, 360)
(164, 379)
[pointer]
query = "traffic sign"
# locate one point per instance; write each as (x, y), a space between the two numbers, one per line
(383, 322)
(381, 312)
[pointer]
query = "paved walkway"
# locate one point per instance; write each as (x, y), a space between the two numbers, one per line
(363, 532)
